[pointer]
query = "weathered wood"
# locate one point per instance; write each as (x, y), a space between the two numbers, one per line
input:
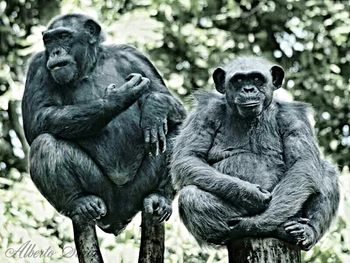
(152, 241)
(262, 250)
(86, 243)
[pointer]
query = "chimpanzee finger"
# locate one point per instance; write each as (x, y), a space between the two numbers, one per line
(306, 243)
(168, 217)
(162, 207)
(141, 87)
(160, 211)
(154, 142)
(303, 220)
(148, 205)
(169, 211)
(135, 77)
(165, 126)
(163, 218)
(92, 210)
(264, 191)
(156, 206)
(134, 81)
(291, 228)
(86, 213)
(162, 139)
(102, 208)
(300, 240)
(297, 232)
(289, 223)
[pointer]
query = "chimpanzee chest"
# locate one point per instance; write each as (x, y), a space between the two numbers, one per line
(255, 156)
(119, 148)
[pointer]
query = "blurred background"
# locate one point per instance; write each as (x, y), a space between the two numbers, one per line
(186, 40)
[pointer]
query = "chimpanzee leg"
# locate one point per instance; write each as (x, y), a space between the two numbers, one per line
(205, 215)
(318, 211)
(67, 177)
(69, 180)
(303, 225)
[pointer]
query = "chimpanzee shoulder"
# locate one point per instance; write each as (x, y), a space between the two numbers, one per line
(294, 115)
(37, 62)
(210, 107)
(129, 55)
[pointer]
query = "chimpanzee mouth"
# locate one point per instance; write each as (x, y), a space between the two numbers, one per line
(60, 64)
(57, 65)
(249, 104)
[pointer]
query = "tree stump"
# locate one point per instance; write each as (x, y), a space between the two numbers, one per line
(152, 241)
(262, 250)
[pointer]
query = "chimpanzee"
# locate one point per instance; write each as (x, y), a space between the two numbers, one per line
(99, 120)
(249, 165)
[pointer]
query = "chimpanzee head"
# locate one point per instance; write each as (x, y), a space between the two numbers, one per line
(248, 83)
(71, 43)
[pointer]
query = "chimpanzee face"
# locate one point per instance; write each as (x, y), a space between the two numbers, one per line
(248, 89)
(248, 92)
(60, 59)
(68, 45)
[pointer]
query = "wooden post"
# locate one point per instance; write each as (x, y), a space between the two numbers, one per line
(152, 240)
(262, 250)
(86, 243)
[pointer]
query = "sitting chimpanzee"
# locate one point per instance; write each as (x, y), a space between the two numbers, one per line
(96, 117)
(248, 165)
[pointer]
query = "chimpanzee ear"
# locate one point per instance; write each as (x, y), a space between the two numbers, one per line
(219, 79)
(277, 74)
(94, 30)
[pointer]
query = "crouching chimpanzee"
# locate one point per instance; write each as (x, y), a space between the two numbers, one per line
(99, 120)
(248, 165)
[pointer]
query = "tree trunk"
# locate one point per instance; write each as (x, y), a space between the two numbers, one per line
(152, 241)
(262, 250)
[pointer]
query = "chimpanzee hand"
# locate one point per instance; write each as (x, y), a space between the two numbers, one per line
(120, 98)
(255, 199)
(154, 122)
(86, 208)
(302, 231)
(159, 206)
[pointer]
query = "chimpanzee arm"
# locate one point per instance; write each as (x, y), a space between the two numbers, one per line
(303, 173)
(189, 164)
(159, 108)
(43, 114)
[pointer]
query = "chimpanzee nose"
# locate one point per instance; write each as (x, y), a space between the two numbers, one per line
(56, 52)
(249, 89)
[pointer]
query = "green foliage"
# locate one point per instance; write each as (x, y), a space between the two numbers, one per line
(186, 40)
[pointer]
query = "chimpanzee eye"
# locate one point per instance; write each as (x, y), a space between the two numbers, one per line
(237, 79)
(258, 79)
(64, 35)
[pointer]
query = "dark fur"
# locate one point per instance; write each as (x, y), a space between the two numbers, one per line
(220, 157)
(89, 155)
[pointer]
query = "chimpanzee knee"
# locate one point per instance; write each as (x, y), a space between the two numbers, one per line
(61, 171)
(205, 215)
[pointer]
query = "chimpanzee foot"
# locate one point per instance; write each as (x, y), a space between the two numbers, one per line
(159, 206)
(87, 208)
(302, 231)
(241, 227)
